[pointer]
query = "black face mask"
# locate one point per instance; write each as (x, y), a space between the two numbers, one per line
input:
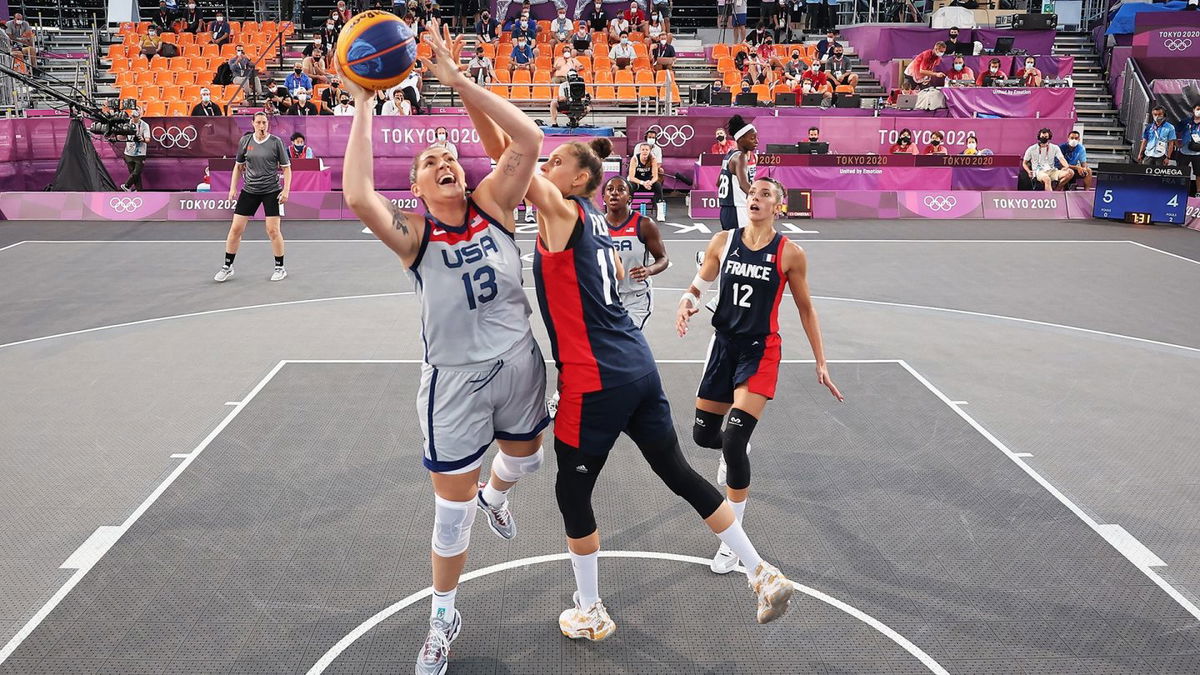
(935, 142)
(905, 140)
(1043, 139)
(296, 71)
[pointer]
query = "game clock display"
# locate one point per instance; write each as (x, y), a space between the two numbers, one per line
(799, 204)
(1141, 195)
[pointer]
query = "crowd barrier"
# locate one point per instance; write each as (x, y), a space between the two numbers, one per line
(887, 42)
(877, 172)
(1056, 67)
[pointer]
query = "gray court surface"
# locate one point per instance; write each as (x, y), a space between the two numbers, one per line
(1011, 486)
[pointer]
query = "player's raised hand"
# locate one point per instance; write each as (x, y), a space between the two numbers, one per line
(823, 378)
(444, 64)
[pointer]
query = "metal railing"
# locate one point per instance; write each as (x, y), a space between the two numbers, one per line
(1135, 102)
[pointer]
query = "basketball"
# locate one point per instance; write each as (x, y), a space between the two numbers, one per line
(376, 50)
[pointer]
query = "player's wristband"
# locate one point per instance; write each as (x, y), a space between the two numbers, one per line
(693, 301)
(701, 285)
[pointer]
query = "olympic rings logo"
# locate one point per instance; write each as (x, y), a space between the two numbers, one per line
(671, 135)
(1177, 45)
(125, 204)
(175, 137)
(940, 202)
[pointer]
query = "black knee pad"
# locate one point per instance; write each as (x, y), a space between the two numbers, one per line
(573, 486)
(706, 430)
(666, 459)
(736, 437)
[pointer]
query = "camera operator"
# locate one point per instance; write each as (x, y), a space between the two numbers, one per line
(135, 151)
(567, 99)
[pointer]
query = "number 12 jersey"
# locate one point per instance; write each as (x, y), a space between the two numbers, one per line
(750, 287)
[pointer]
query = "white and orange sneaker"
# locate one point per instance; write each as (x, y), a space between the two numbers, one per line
(592, 623)
(774, 592)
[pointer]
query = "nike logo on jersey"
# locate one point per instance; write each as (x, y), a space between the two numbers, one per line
(741, 269)
(470, 253)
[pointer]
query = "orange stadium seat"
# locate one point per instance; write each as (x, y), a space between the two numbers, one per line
(541, 77)
(542, 38)
(228, 50)
(780, 89)
(203, 38)
(725, 65)
(602, 64)
(424, 51)
(599, 50)
(149, 94)
(646, 87)
(542, 62)
(522, 77)
(160, 63)
(720, 51)
(147, 77)
(604, 77)
(191, 51)
(127, 28)
(125, 78)
(172, 92)
(641, 63)
(605, 92)
(250, 27)
(143, 27)
(233, 93)
(500, 90)
(503, 76)
(181, 64)
(128, 91)
(542, 92)
(520, 93)
(637, 37)
(733, 51)
(179, 109)
(139, 63)
(268, 27)
(731, 77)
(191, 92)
(185, 39)
(675, 92)
(211, 51)
(586, 61)
(625, 93)
(488, 49)
(169, 37)
(763, 91)
(156, 109)
(119, 66)
(116, 51)
(235, 27)
(502, 62)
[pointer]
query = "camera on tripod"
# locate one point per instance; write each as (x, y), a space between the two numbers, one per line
(579, 102)
(113, 124)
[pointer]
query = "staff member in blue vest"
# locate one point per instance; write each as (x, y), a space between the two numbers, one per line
(1158, 140)
(1189, 146)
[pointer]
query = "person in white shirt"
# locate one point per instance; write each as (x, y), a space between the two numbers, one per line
(397, 105)
(616, 27)
(561, 29)
(481, 69)
(622, 54)
(343, 106)
(444, 142)
(1040, 164)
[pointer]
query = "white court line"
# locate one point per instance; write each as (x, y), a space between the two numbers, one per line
(1137, 554)
(1159, 250)
(121, 529)
(960, 402)
(12, 245)
(362, 629)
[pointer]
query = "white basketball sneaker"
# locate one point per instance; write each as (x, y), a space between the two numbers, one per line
(591, 623)
(774, 592)
(279, 274)
(500, 519)
(224, 274)
(435, 653)
(725, 561)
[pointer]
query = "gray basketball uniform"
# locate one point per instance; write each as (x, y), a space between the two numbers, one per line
(636, 296)
(484, 377)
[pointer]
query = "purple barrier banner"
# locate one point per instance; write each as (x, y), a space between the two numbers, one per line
(766, 161)
(887, 42)
(855, 205)
(1006, 102)
(1025, 205)
(876, 177)
(889, 205)
(1171, 86)
(1079, 204)
(693, 136)
(546, 10)
(1174, 43)
(1192, 221)
(940, 205)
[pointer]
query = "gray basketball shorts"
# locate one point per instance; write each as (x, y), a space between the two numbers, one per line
(639, 306)
(462, 409)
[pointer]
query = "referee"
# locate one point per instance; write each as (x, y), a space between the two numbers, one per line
(260, 157)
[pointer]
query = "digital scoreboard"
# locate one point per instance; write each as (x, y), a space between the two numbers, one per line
(1141, 194)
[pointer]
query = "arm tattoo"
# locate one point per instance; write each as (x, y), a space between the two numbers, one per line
(399, 220)
(514, 161)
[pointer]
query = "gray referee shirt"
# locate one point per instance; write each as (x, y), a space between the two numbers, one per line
(261, 162)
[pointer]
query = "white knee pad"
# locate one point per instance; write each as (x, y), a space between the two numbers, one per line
(512, 469)
(452, 526)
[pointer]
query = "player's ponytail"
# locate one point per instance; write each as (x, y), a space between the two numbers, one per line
(591, 158)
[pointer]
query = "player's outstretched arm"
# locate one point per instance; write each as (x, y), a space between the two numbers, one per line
(795, 265)
(690, 301)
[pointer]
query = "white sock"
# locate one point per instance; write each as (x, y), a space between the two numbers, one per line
(735, 538)
(443, 605)
(738, 509)
(494, 497)
(587, 577)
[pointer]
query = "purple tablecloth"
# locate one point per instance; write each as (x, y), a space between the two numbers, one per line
(1010, 103)
(887, 42)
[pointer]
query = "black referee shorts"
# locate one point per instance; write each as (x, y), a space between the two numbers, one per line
(248, 202)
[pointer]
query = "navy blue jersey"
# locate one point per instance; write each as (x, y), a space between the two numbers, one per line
(595, 343)
(750, 287)
(729, 190)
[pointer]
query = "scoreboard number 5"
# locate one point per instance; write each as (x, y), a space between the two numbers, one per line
(1108, 196)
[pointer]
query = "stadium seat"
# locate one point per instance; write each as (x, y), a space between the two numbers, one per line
(235, 27)
(185, 39)
(250, 27)
(268, 27)
(603, 64)
(725, 65)
(211, 51)
(605, 92)
(191, 92)
(604, 77)
(731, 77)
(542, 62)
(639, 49)
(233, 93)
(147, 77)
(489, 50)
(542, 38)
(780, 89)
(160, 63)
(500, 90)
(763, 91)
(733, 51)
(228, 50)
(844, 89)
(586, 61)
(181, 64)
(625, 93)
(127, 28)
(675, 92)
(139, 63)
(179, 109)
(541, 77)
(125, 78)
(637, 38)
(503, 76)
(116, 51)
(424, 51)
(119, 66)
(502, 62)
(143, 27)
(542, 92)
(646, 86)
(169, 37)
(128, 91)
(191, 51)
(599, 50)
(171, 92)
(203, 38)
(641, 63)
(720, 51)
(520, 92)
(521, 77)
(149, 94)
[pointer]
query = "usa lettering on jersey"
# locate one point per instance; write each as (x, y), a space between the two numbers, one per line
(471, 253)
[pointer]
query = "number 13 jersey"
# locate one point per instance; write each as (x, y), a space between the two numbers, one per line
(750, 287)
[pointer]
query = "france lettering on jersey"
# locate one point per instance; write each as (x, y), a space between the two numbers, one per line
(468, 280)
(750, 287)
(631, 248)
(729, 190)
(595, 344)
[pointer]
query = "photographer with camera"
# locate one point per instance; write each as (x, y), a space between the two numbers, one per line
(572, 99)
(135, 151)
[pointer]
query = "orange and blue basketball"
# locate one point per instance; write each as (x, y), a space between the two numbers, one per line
(376, 50)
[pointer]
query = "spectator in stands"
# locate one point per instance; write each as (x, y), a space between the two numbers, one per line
(839, 67)
(221, 32)
(398, 105)
(993, 74)
(921, 71)
(302, 106)
(650, 139)
(1030, 76)
(635, 17)
(313, 67)
(243, 72)
(206, 107)
(663, 9)
(645, 173)
(163, 18)
(410, 88)
(794, 68)
(327, 36)
(523, 55)
(298, 148)
(960, 71)
(318, 42)
(480, 68)
(952, 36)
(333, 93)
(596, 19)
(829, 43)
(564, 63)
(487, 28)
(815, 9)
(739, 21)
(617, 27)
(525, 28)
(382, 99)
(621, 54)
(1188, 137)
(662, 56)
(345, 105)
(936, 144)
(560, 29)
(815, 81)
(904, 144)
(443, 141)
(344, 12)
(654, 30)
(560, 103)
(1076, 160)
(722, 144)
(1158, 139)
(756, 35)
(297, 80)
(285, 103)
(135, 151)
(431, 11)
(1040, 160)
(336, 17)
(194, 18)
(581, 40)
(972, 145)
(271, 89)
(780, 30)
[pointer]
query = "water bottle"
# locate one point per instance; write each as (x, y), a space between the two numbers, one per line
(662, 211)
(642, 208)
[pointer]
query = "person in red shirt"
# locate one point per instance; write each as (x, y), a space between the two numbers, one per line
(723, 144)
(989, 77)
(904, 144)
(636, 17)
(815, 81)
(960, 72)
(936, 145)
(922, 70)
(1030, 76)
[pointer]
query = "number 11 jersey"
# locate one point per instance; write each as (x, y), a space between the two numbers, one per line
(750, 287)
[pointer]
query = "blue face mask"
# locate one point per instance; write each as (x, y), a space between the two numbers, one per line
(958, 66)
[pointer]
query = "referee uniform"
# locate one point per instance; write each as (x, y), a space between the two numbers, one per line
(260, 157)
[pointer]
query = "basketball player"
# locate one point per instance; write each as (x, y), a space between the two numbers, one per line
(609, 384)
(484, 377)
(737, 173)
(637, 240)
(260, 156)
(753, 264)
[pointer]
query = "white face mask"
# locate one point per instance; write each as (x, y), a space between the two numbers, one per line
(1072, 142)
(220, 18)
(1028, 65)
(971, 145)
(624, 41)
(205, 97)
(441, 137)
(995, 69)
(303, 97)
